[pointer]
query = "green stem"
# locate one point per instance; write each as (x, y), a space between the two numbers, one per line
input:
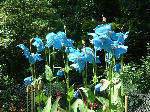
(53, 59)
(122, 93)
(110, 79)
(86, 75)
(49, 58)
(46, 56)
(39, 102)
(27, 101)
(32, 99)
(50, 87)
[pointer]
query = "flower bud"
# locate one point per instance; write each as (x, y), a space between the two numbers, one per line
(31, 40)
(27, 89)
(40, 85)
(83, 43)
(64, 27)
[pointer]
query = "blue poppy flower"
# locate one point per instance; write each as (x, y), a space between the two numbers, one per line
(117, 50)
(69, 43)
(63, 38)
(121, 37)
(22, 47)
(26, 51)
(76, 94)
(38, 43)
(78, 66)
(102, 42)
(28, 80)
(70, 49)
(112, 35)
(60, 72)
(98, 86)
(34, 57)
(78, 59)
(102, 29)
(117, 67)
(89, 55)
(53, 40)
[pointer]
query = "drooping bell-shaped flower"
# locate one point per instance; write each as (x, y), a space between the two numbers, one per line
(69, 43)
(89, 55)
(26, 51)
(102, 42)
(28, 80)
(60, 72)
(34, 57)
(38, 43)
(98, 86)
(70, 49)
(117, 50)
(78, 59)
(76, 94)
(102, 29)
(117, 67)
(53, 40)
(121, 37)
(63, 38)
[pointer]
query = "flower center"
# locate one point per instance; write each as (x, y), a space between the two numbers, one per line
(102, 40)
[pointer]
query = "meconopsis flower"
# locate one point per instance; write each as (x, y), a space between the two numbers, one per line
(53, 40)
(76, 94)
(121, 37)
(70, 49)
(28, 80)
(38, 43)
(30, 56)
(102, 42)
(89, 55)
(78, 59)
(63, 38)
(26, 51)
(98, 86)
(102, 29)
(34, 57)
(117, 67)
(117, 50)
(60, 72)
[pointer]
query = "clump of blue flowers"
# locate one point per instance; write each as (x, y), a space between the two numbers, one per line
(106, 39)
(58, 40)
(33, 57)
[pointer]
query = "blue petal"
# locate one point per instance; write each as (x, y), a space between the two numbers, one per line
(98, 86)
(39, 44)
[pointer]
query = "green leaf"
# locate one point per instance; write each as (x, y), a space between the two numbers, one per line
(88, 93)
(78, 104)
(55, 105)
(70, 93)
(103, 100)
(48, 106)
(48, 72)
(67, 69)
(40, 97)
(91, 97)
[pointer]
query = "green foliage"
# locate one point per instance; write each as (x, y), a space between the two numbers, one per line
(49, 107)
(48, 72)
(40, 97)
(70, 93)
